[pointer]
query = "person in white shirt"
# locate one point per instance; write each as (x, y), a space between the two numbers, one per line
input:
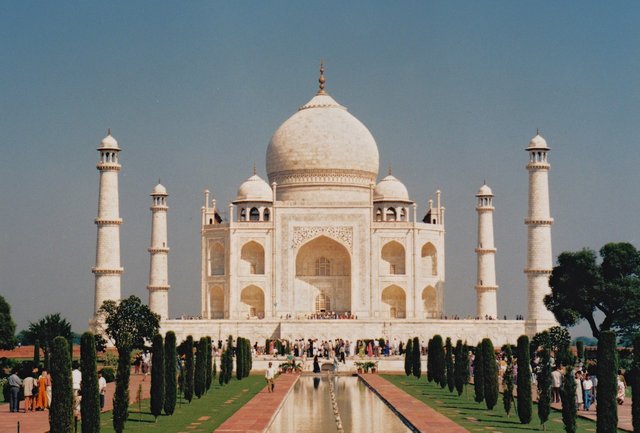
(556, 383)
(76, 378)
(587, 386)
(102, 388)
(269, 376)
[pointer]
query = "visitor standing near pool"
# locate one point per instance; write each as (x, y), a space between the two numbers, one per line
(269, 376)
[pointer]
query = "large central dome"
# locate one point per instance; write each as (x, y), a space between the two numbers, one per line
(320, 150)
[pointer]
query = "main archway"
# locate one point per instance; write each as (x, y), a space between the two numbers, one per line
(323, 271)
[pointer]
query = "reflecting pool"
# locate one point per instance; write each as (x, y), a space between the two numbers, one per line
(308, 408)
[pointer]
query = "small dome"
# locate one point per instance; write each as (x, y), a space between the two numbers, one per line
(484, 190)
(108, 142)
(538, 142)
(159, 189)
(254, 189)
(391, 189)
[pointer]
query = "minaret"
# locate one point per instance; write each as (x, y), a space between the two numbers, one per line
(539, 221)
(108, 269)
(486, 282)
(158, 270)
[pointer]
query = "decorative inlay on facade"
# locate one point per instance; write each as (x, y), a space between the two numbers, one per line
(342, 234)
(333, 176)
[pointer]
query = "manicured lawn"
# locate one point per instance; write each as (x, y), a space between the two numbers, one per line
(205, 414)
(474, 416)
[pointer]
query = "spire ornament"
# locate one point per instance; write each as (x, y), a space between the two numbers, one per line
(321, 80)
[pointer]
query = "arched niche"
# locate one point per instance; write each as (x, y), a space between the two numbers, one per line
(216, 302)
(252, 299)
(430, 303)
(394, 302)
(393, 259)
(252, 259)
(429, 259)
(216, 259)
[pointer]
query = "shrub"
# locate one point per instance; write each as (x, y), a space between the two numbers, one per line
(478, 374)
(606, 409)
(90, 403)
(430, 356)
(61, 410)
(490, 374)
(448, 361)
(461, 362)
(507, 382)
(580, 349)
(635, 384)
(240, 358)
(200, 374)
(209, 366)
(416, 366)
(544, 387)
(121, 396)
(109, 374)
(524, 381)
(408, 354)
(439, 374)
(568, 397)
(157, 376)
(170, 385)
(189, 371)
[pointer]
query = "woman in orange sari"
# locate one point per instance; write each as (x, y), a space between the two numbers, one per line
(42, 402)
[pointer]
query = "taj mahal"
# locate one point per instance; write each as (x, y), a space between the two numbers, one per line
(323, 249)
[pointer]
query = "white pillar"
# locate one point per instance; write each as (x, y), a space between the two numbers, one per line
(486, 286)
(159, 250)
(108, 269)
(538, 222)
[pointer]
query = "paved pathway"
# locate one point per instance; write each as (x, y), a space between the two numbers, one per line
(257, 414)
(624, 413)
(38, 422)
(419, 415)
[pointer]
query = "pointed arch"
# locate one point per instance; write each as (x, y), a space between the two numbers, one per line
(266, 214)
(252, 259)
(216, 302)
(430, 302)
(393, 259)
(254, 214)
(217, 259)
(391, 214)
(394, 302)
(429, 259)
(252, 299)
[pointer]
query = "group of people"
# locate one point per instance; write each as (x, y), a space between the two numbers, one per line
(142, 363)
(37, 390)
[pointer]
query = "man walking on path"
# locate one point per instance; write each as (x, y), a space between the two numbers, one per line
(269, 376)
(14, 390)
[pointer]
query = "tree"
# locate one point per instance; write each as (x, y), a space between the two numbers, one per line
(61, 410)
(240, 358)
(209, 364)
(544, 387)
(170, 372)
(580, 349)
(607, 409)
(200, 372)
(524, 381)
(478, 374)
(158, 376)
(448, 361)
(7, 326)
(461, 362)
(568, 397)
(45, 330)
(635, 385)
(439, 374)
(90, 402)
(36, 354)
(581, 288)
(430, 356)
(128, 324)
(556, 340)
(507, 382)
(408, 354)
(490, 368)
(189, 370)
(416, 363)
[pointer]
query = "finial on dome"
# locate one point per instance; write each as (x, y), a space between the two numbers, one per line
(108, 131)
(159, 181)
(537, 131)
(254, 169)
(321, 80)
(389, 170)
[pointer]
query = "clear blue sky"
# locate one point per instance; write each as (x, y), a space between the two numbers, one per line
(452, 92)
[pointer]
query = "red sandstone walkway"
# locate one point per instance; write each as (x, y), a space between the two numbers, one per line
(38, 422)
(419, 415)
(257, 414)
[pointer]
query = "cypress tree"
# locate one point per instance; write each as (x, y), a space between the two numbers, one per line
(635, 385)
(448, 360)
(416, 366)
(568, 398)
(607, 410)
(507, 382)
(61, 410)
(240, 358)
(438, 360)
(36, 353)
(189, 370)
(121, 396)
(478, 374)
(90, 403)
(408, 365)
(200, 374)
(460, 360)
(490, 368)
(248, 365)
(524, 381)
(215, 369)
(158, 376)
(544, 387)
(580, 349)
(170, 373)
(430, 356)
(209, 364)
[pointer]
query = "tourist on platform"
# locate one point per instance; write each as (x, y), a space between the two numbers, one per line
(578, 379)
(14, 383)
(316, 364)
(102, 388)
(587, 386)
(30, 388)
(556, 384)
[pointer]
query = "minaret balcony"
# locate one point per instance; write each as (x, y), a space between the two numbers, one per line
(485, 250)
(107, 271)
(481, 288)
(158, 287)
(108, 166)
(159, 207)
(539, 221)
(538, 271)
(158, 250)
(108, 222)
(538, 165)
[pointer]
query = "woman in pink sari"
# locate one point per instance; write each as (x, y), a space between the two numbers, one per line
(369, 349)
